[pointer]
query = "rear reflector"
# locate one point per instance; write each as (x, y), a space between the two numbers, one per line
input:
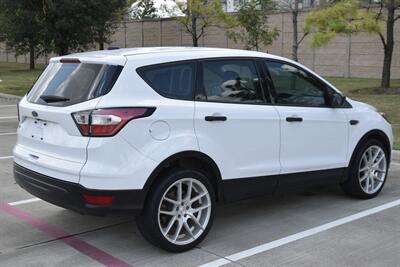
(107, 122)
(98, 200)
(70, 60)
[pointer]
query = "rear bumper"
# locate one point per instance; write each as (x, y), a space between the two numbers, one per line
(70, 195)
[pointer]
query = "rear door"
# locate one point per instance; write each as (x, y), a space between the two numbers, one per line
(49, 141)
(236, 126)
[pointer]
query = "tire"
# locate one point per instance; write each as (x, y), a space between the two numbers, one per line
(366, 179)
(181, 214)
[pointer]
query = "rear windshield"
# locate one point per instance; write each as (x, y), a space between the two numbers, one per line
(64, 84)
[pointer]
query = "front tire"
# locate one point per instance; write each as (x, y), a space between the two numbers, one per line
(179, 211)
(368, 170)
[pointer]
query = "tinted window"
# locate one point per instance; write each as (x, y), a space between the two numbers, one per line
(73, 83)
(294, 86)
(231, 81)
(173, 81)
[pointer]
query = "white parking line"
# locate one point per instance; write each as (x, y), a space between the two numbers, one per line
(2, 134)
(16, 203)
(6, 157)
(8, 117)
(292, 238)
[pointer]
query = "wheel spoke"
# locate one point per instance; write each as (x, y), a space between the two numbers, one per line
(179, 192)
(185, 224)
(178, 230)
(168, 212)
(365, 176)
(376, 155)
(379, 160)
(189, 190)
(195, 210)
(171, 201)
(367, 184)
(170, 224)
(377, 178)
(370, 154)
(372, 180)
(198, 197)
(196, 221)
(363, 169)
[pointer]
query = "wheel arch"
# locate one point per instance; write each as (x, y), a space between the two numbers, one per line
(373, 134)
(188, 159)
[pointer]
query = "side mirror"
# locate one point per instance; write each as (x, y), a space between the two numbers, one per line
(336, 100)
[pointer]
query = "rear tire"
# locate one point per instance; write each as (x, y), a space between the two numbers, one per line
(174, 219)
(368, 170)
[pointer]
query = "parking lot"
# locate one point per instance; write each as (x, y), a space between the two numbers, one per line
(320, 226)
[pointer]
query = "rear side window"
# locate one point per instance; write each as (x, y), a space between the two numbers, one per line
(64, 84)
(170, 80)
(231, 81)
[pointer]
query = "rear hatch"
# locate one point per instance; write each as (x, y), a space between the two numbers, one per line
(49, 141)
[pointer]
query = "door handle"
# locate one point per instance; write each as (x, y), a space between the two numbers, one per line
(294, 119)
(215, 118)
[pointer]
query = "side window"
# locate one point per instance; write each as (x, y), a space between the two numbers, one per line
(171, 80)
(231, 81)
(294, 87)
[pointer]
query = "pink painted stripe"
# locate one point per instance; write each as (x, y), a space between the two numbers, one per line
(73, 241)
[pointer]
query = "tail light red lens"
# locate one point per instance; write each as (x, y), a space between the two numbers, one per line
(107, 122)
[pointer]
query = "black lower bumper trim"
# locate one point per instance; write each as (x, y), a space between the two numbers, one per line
(70, 195)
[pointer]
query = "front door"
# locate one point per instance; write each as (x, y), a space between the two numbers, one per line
(314, 136)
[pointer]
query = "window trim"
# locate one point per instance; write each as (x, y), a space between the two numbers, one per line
(262, 72)
(140, 70)
(319, 83)
(200, 95)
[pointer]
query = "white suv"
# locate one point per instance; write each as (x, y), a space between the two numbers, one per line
(172, 131)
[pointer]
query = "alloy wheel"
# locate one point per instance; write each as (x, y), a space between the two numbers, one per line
(372, 169)
(184, 211)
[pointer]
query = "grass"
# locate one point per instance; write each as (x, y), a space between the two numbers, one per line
(360, 89)
(17, 79)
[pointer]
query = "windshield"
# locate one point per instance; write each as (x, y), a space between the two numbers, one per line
(64, 84)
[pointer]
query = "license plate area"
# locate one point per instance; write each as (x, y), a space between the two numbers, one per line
(38, 127)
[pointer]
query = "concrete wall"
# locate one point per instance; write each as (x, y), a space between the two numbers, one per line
(358, 55)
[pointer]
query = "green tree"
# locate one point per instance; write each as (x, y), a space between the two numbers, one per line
(143, 9)
(106, 18)
(348, 17)
(74, 25)
(200, 15)
(294, 7)
(252, 20)
(21, 23)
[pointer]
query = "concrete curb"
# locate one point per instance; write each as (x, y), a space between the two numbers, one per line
(10, 98)
(396, 156)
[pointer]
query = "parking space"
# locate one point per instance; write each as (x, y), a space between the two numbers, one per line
(40, 234)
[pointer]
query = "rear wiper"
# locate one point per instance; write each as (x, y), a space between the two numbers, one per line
(53, 98)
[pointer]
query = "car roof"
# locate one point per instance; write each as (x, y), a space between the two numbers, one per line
(119, 56)
(165, 49)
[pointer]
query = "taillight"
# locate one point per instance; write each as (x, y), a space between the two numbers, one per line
(108, 121)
